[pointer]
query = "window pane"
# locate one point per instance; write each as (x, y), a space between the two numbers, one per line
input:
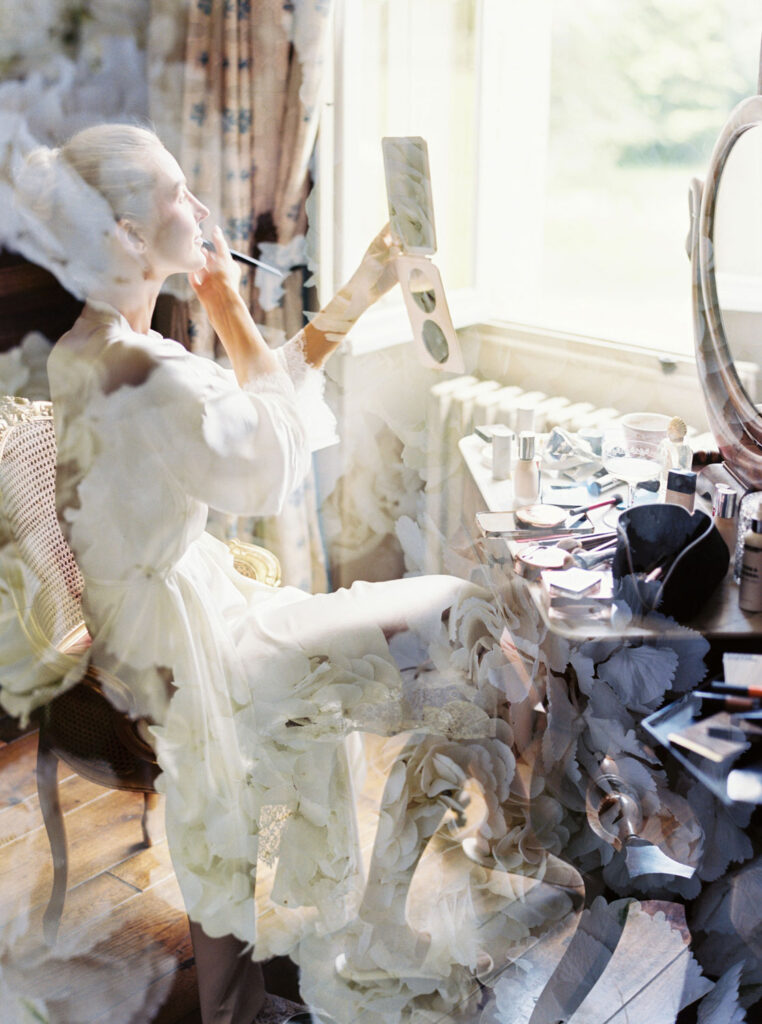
(409, 69)
(640, 90)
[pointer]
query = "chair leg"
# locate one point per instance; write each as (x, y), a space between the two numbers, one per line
(47, 789)
(150, 801)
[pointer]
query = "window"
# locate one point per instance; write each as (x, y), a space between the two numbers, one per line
(407, 67)
(562, 138)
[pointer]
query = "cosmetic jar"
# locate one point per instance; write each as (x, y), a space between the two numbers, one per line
(531, 564)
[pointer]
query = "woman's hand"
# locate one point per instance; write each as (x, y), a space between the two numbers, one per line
(373, 278)
(216, 285)
(221, 276)
(377, 272)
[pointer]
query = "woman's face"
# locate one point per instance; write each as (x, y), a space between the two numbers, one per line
(172, 233)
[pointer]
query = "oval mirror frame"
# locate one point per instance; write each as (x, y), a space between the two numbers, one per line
(735, 420)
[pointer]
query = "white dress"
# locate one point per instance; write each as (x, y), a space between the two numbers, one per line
(251, 688)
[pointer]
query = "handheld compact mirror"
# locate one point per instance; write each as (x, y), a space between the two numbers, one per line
(411, 217)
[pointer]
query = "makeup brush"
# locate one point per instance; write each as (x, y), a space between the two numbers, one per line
(578, 509)
(243, 258)
(737, 689)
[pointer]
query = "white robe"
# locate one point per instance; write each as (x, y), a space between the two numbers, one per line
(251, 688)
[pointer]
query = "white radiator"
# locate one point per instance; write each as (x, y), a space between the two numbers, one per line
(455, 407)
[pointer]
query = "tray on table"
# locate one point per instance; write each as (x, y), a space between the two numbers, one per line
(715, 776)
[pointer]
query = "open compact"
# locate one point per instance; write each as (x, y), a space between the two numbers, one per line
(411, 219)
(541, 517)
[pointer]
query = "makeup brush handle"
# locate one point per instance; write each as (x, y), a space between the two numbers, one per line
(613, 500)
(242, 257)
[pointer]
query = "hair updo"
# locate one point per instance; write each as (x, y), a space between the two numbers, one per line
(67, 201)
(117, 161)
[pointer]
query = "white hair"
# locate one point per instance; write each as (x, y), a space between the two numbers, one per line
(67, 201)
(117, 161)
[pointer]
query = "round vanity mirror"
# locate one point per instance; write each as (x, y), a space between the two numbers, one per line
(422, 289)
(738, 257)
(722, 240)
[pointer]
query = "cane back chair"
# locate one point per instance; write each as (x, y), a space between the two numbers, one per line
(80, 727)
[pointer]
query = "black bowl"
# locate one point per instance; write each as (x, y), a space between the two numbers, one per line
(693, 558)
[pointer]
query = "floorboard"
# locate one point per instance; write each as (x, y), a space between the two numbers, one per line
(124, 951)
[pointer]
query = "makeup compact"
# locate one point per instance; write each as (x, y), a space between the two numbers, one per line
(541, 517)
(411, 219)
(538, 521)
(535, 560)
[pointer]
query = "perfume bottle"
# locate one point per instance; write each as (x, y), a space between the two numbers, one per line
(674, 452)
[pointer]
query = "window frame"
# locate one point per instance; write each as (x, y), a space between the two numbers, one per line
(506, 240)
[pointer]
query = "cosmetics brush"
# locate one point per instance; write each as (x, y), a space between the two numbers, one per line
(241, 257)
(579, 509)
(723, 702)
(738, 689)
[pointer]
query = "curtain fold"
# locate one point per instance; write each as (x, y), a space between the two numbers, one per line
(251, 81)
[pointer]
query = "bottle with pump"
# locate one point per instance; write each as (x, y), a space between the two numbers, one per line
(526, 472)
(750, 593)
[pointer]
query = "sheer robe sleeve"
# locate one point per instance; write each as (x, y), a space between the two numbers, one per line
(309, 383)
(239, 449)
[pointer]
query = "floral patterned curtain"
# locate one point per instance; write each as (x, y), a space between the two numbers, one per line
(251, 83)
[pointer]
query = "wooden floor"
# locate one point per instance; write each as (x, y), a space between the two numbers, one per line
(124, 950)
(123, 941)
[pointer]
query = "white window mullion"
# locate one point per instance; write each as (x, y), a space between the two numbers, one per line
(403, 67)
(514, 101)
(323, 213)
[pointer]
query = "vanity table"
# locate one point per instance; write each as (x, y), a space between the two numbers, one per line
(594, 682)
(624, 788)
(721, 621)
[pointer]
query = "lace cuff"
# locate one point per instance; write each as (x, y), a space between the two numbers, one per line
(277, 382)
(309, 382)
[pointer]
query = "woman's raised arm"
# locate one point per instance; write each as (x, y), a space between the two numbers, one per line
(375, 276)
(216, 286)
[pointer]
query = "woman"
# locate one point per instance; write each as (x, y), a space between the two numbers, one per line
(250, 690)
